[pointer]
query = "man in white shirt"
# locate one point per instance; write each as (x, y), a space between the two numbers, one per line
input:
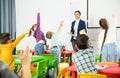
(76, 26)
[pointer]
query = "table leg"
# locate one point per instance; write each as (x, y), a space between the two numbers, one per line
(64, 57)
(74, 74)
(19, 69)
(70, 59)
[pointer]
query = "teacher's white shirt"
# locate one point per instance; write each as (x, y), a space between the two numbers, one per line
(76, 27)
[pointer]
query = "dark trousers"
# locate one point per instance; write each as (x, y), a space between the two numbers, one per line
(73, 44)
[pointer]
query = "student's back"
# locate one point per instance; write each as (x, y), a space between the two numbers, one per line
(7, 47)
(84, 58)
(84, 61)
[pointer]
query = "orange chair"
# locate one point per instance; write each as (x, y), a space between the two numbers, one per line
(108, 63)
(91, 76)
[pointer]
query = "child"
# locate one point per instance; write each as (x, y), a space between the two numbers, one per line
(7, 47)
(56, 43)
(84, 58)
(39, 36)
(107, 41)
(5, 71)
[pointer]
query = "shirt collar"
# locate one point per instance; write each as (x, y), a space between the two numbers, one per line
(77, 19)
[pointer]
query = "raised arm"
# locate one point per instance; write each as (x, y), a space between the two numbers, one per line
(18, 40)
(60, 27)
(114, 21)
(25, 60)
(38, 21)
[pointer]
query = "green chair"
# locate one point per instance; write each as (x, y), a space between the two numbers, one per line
(51, 60)
(41, 69)
(67, 58)
(97, 58)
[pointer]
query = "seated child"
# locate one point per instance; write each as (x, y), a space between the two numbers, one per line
(84, 58)
(6, 72)
(7, 47)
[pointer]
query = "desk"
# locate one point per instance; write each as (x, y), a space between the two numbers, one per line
(112, 69)
(64, 55)
(47, 52)
(33, 60)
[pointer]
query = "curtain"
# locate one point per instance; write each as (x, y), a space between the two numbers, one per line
(8, 17)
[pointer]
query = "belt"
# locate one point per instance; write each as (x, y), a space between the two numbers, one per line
(55, 46)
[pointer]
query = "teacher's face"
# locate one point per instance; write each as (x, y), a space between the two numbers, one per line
(77, 15)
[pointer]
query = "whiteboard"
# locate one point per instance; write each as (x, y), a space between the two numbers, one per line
(102, 9)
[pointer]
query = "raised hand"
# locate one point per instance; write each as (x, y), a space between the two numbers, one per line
(113, 15)
(25, 56)
(61, 23)
(38, 10)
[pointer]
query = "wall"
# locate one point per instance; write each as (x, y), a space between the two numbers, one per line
(96, 11)
(52, 11)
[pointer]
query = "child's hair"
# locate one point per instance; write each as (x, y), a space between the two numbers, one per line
(32, 29)
(4, 37)
(49, 34)
(104, 25)
(82, 41)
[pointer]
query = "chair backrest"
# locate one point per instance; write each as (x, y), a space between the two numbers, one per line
(42, 68)
(97, 58)
(91, 76)
(51, 59)
(108, 63)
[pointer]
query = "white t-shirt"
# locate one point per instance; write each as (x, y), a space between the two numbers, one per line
(56, 39)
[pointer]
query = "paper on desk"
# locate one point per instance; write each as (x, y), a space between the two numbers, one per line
(101, 67)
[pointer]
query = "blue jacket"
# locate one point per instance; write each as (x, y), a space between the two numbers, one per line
(81, 26)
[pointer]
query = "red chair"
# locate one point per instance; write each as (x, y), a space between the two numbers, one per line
(47, 51)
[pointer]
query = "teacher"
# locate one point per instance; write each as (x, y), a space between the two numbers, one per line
(76, 26)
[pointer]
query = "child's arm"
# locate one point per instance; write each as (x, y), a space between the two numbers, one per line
(61, 24)
(82, 31)
(18, 40)
(38, 22)
(114, 21)
(25, 60)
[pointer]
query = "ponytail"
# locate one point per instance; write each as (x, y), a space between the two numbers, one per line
(30, 32)
(104, 25)
(104, 38)
(31, 29)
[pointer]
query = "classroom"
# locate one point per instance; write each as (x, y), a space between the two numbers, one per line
(59, 38)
